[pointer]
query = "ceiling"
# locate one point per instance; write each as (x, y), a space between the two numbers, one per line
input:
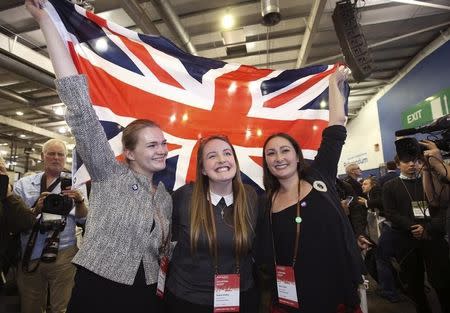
(396, 33)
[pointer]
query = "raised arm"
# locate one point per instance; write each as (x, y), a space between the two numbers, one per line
(59, 55)
(92, 144)
(336, 98)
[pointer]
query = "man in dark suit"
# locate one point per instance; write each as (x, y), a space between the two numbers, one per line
(353, 172)
(391, 167)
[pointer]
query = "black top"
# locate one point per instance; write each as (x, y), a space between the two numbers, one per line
(329, 265)
(355, 185)
(374, 200)
(387, 177)
(398, 209)
(318, 273)
(397, 196)
(191, 277)
(15, 217)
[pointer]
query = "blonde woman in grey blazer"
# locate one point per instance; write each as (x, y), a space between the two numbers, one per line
(128, 221)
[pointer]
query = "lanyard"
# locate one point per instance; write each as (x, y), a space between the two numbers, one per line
(297, 232)
(412, 199)
(216, 256)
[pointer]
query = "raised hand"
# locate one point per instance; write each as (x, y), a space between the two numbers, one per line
(36, 9)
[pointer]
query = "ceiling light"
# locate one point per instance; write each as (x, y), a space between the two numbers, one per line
(22, 136)
(20, 113)
(227, 21)
(62, 130)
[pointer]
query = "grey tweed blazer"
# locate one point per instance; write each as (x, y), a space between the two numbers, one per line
(122, 208)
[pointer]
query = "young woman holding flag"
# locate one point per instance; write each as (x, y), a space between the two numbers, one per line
(127, 226)
(309, 243)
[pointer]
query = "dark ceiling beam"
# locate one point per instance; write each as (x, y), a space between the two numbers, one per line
(139, 16)
(169, 16)
(26, 71)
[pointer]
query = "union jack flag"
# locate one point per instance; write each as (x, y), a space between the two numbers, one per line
(133, 75)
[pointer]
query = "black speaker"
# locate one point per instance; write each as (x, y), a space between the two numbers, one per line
(351, 40)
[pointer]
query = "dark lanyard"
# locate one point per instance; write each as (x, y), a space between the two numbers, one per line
(216, 257)
(34, 232)
(419, 202)
(297, 233)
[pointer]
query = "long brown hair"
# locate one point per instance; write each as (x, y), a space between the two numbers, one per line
(271, 183)
(201, 214)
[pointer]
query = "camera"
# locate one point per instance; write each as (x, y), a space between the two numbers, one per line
(56, 207)
(408, 148)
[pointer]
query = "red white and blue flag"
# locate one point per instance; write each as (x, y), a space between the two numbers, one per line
(133, 76)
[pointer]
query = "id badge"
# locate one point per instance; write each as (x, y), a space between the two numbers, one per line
(420, 209)
(287, 291)
(164, 266)
(226, 293)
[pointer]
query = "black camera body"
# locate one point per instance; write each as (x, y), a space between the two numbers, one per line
(56, 208)
(408, 148)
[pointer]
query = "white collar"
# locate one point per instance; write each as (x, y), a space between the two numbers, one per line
(404, 177)
(215, 198)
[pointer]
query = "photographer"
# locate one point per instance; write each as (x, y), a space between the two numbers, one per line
(50, 247)
(415, 238)
(15, 217)
(436, 179)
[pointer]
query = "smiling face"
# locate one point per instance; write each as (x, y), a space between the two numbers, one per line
(150, 153)
(218, 162)
(281, 158)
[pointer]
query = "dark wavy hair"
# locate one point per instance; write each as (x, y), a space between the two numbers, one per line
(271, 183)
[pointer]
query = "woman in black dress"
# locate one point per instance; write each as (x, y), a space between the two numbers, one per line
(315, 260)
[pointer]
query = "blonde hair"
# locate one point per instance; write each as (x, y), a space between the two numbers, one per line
(201, 213)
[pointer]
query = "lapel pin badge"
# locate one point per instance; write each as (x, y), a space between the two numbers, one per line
(134, 187)
(320, 186)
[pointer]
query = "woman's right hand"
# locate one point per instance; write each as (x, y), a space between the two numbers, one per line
(35, 7)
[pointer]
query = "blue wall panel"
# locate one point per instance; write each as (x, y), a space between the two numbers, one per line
(428, 77)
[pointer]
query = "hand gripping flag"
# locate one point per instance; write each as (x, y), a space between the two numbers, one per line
(133, 76)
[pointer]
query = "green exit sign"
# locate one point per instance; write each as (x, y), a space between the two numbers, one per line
(428, 110)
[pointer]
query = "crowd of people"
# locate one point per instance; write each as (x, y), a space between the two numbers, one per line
(216, 245)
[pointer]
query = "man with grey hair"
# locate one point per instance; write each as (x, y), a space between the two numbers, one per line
(46, 267)
(353, 172)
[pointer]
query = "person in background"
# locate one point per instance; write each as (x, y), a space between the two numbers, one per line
(436, 180)
(372, 195)
(417, 236)
(128, 225)
(15, 217)
(38, 276)
(353, 172)
(391, 167)
(214, 223)
(309, 242)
